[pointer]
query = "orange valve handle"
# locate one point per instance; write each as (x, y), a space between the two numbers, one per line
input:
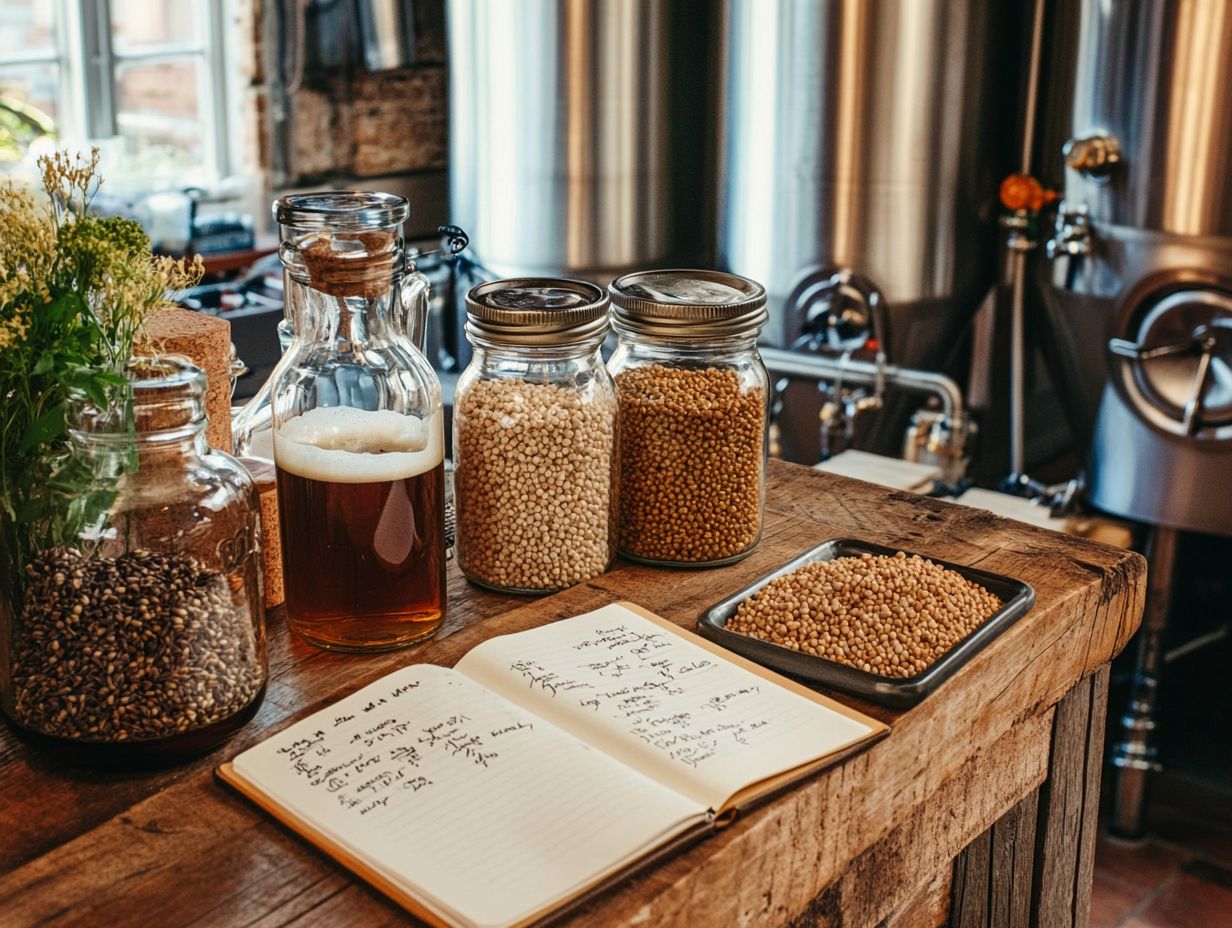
(1024, 192)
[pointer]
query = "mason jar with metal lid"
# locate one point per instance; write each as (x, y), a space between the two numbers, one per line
(534, 437)
(693, 398)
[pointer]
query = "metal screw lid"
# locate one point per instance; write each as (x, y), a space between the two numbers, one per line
(687, 302)
(536, 310)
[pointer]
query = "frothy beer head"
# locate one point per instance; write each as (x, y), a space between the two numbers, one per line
(340, 444)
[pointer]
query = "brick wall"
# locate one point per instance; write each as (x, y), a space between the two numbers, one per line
(372, 124)
(347, 122)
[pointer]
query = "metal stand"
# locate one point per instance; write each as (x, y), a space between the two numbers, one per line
(1135, 754)
(1018, 243)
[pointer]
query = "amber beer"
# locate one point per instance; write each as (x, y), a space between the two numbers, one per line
(363, 535)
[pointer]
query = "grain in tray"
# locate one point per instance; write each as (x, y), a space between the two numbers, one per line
(893, 616)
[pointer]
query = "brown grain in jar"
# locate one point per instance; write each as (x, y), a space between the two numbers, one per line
(691, 463)
(693, 396)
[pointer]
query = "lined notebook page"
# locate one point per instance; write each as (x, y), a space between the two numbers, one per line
(659, 702)
(483, 811)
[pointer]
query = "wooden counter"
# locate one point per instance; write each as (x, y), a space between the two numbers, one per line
(981, 803)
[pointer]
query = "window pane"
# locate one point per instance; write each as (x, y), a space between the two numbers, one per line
(137, 23)
(26, 26)
(28, 107)
(158, 109)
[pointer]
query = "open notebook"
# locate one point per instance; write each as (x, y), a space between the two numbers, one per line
(544, 765)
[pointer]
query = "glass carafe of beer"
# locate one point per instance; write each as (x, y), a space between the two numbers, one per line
(358, 430)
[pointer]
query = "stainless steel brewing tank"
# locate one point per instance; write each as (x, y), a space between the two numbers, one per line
(1149, 75)
(1148, 172)
(559, 155)
(864, 136)
(1153, 74)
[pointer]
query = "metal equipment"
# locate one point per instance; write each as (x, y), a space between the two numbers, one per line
(855, 386)
(560, 139)
(387, 33)
(862, 138)
(1139, 292)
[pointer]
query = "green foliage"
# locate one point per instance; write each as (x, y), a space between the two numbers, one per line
(75, 291)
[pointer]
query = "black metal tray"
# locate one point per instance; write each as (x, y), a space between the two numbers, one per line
(898, 692)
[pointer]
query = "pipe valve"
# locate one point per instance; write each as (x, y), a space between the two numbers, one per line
(1023, 193)
(1071, 235)
(1094, 155)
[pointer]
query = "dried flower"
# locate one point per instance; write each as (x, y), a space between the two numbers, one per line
(75, 292)
(69, 180)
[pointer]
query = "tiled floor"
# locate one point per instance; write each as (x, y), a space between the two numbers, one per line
(1181, 877)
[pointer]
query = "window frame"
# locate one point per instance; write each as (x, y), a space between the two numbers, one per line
(87, 64)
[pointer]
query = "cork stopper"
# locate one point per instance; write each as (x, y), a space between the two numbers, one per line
(343, 243)
(351, 264)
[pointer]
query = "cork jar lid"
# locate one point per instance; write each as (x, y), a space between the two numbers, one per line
(347, 243)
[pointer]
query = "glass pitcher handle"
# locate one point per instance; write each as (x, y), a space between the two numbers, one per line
(414, 301)
(257, 415)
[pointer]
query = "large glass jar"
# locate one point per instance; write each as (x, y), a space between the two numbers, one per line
(143, 640)
(694, 396)
(534, 437)
(359, 436)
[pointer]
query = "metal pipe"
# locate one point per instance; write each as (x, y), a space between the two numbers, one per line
(823, 367)
(1018, 243)
(1135, 755)
(1018, 263)
(1033, 69)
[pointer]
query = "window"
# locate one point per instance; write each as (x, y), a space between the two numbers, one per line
(143, 79)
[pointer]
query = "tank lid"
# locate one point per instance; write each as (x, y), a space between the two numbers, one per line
(688, 302)
(537, 310)
(1182, 361)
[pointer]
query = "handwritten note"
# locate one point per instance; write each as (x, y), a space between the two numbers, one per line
(635, 682)
(441, 785)
(690, 719)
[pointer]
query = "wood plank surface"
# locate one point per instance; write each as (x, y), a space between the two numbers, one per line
(1085, 869)
(1069, 808)
(175, 848)
(992, 879)
(885, 883)
(1012, 861)
(930, 908)
(1033, 868)
(972, 884)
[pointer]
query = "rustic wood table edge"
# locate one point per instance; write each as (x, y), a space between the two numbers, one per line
(979, 809)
